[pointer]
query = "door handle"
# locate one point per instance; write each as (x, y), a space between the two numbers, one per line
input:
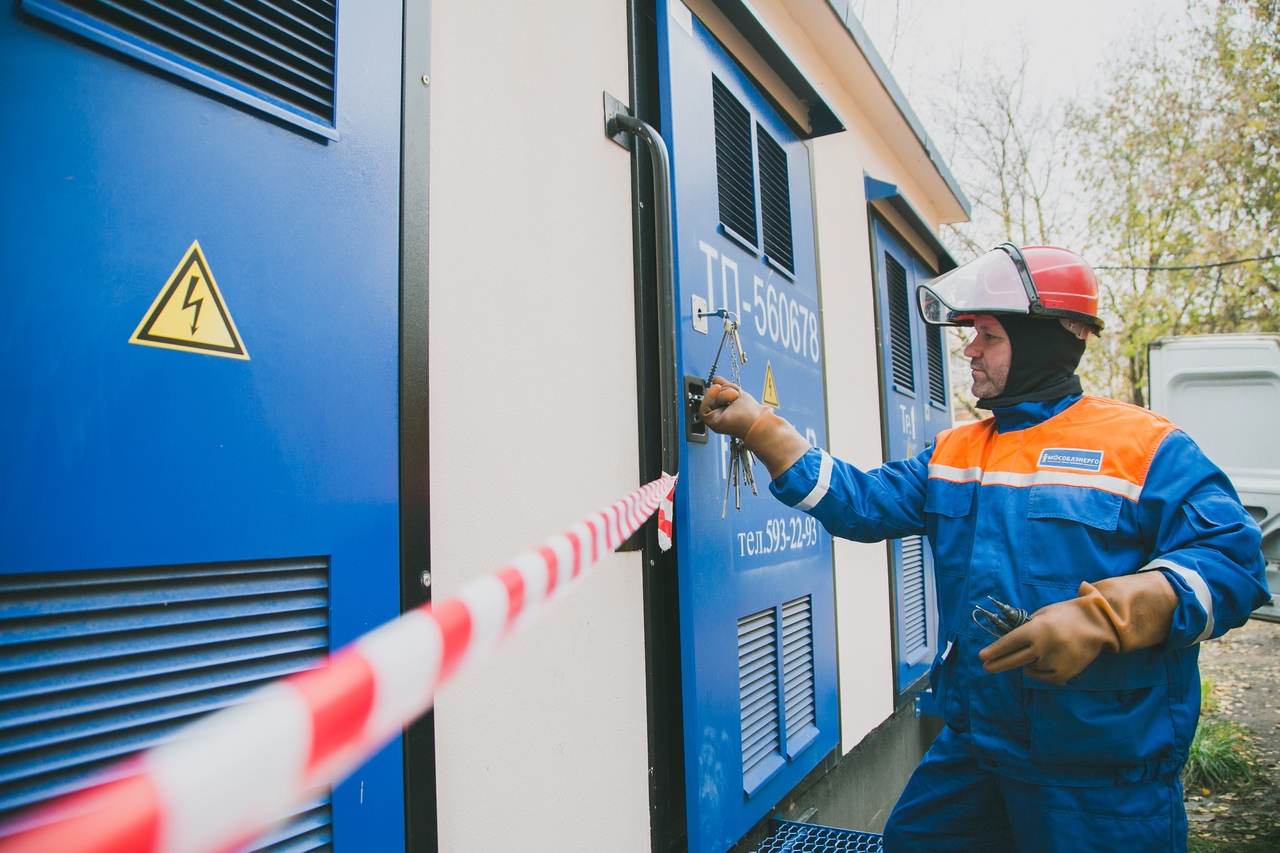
(618, 124)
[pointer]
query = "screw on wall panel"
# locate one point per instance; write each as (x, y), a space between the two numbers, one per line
(426, 580)
(426, 79)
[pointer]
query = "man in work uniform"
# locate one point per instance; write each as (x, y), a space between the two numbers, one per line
(1101, 519)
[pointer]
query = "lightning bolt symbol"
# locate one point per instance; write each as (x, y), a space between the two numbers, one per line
(188, 302)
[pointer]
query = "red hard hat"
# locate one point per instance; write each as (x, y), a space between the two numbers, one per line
(1040, 281)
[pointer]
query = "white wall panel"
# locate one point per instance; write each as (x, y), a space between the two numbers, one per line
(853, 404)
(533, 418)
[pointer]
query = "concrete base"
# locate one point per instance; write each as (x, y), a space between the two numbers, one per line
(859, 790)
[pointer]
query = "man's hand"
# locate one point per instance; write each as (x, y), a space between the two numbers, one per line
(727, 409)
(1119, 614)
(1057, 644)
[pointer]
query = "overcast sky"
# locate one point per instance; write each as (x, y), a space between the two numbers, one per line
(1067, 40)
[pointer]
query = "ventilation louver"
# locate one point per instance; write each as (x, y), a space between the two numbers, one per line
(914, 631)
(937, 379)
(775, 689)
(797, 672)
(775, 201)
(95, 665)
(899, 324)
(758, 689)
(735, 167)
(281, 51)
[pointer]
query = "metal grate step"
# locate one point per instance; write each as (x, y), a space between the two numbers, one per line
(789, 837)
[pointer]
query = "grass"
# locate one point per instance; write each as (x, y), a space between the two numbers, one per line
(1222, 757)
(1223, 762)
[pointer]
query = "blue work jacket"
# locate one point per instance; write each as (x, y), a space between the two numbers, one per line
(1025, 506)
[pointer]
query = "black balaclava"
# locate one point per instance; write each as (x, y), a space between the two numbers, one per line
(1043, 362)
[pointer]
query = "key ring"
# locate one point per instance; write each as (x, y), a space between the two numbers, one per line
(736, 354)
(741, 460)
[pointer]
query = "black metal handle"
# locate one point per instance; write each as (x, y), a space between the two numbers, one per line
(668, 381)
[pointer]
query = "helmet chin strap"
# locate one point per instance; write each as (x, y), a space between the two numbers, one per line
(1075, 327)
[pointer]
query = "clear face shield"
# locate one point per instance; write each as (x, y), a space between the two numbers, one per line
(997, 282)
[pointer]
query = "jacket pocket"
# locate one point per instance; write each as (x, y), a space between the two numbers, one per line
(949, 524)
(1116, 714)
(1069, 530)
(1215, 514)
(1100, 728)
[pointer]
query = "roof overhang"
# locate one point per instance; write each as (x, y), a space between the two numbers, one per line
(881, 194)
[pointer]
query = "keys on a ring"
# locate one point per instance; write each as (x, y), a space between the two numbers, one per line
(741, 462)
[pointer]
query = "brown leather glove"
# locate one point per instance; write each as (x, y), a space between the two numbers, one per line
(728, 409)
(1118, 614)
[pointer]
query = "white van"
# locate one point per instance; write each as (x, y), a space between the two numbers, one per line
(1224, 390)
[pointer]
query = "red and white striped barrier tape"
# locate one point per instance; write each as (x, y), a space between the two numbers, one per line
(665, 518)
(231, 775)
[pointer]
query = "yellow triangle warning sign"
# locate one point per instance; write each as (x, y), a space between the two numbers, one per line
(189, 313)
(770, 395)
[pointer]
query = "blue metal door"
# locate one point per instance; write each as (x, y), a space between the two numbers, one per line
(916, 410)
(198, 400)
(757, 626)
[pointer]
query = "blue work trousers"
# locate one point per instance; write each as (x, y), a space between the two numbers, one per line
(951, 803)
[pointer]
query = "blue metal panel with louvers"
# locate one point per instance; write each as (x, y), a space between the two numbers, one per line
(132, 144)
(274, 55)
(95, 665)
(757, 615)
(916, 410)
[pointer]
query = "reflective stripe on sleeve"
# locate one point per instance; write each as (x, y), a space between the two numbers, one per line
(1198, 586)
(820, 490)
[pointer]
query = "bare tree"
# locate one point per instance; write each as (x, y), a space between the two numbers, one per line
(1013, 158)
(888, 22)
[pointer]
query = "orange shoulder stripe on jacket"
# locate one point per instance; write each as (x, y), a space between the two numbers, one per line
(1095, 443)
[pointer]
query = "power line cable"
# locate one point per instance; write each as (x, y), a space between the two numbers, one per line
(1196, 266)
